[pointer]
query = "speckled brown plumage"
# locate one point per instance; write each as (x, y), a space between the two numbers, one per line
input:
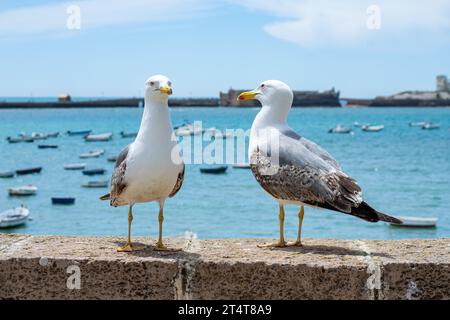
(178, 184)
(118, 184)
(331, 190)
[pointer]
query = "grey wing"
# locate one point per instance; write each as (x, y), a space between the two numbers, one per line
(179, 183)
(313, 147)
(320, 152)
(305, 176)
(118, 184)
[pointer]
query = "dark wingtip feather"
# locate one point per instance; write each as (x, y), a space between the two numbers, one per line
(106, 197)
(387, 218)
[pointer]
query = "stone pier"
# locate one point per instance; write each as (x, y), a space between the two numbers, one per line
(55, 267)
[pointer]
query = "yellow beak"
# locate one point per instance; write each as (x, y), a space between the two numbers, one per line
(167, 90)
(249, 95)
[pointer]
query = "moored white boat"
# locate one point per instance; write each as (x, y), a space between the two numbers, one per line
(7, 174)
(128, 134)
(99, 137)
(340, 129)
(417, 124)
(38, 136)
(95, 184)
(431, 126)
(92, 154)
(372, 128)
(28, 190)
(418, 222)
(75, 166)
(53, 134)
(14, 217)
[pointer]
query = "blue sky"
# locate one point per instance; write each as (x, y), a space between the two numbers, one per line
(206, 46)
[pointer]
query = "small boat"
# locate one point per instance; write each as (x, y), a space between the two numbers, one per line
(128, 134)
(63, 201)
(431, 126)
(112, 159)
(340, 129)
(416, 222)
(92, 154)
(38, 136)
(241, 166)
(214, 170)
(372, 128)
(53, 134)
(14, 217)
(23, 191)
(95, 184)
(14, 140)
(417, 124)
(93, 172)
(99, 137)
(47, 146)
(19, 139)
(79, 132)
(22, 172)
(75, 166)
(7, 174)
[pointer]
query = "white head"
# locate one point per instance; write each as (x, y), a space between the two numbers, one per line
(158, 88)
(274, 95)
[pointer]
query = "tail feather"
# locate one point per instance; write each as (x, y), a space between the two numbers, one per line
(106, 197)
(366, 212)
(388, 218)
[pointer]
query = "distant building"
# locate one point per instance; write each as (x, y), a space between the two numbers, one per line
(442, 84)
(64, 98)
(442, 92)
(328, 98)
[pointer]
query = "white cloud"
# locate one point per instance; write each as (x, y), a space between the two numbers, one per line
(94, 13)
(331, 22)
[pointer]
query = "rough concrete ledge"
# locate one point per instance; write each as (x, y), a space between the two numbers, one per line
(40, 267)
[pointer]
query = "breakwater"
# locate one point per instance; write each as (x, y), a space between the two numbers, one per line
(389, 102)
(107, 103)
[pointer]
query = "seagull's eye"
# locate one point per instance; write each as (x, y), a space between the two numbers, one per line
(152, 83)
(169, 83)
(263, 85)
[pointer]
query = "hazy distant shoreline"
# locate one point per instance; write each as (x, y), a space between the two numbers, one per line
(46, 103)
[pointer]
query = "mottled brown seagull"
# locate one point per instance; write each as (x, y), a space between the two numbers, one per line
(294, 170)
(150, 168)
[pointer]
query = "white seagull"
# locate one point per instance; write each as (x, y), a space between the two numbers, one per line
(150, 168)
(294, 170)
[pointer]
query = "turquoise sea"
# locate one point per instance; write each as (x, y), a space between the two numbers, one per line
(402, 170)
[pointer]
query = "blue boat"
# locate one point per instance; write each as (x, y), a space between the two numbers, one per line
(93, 172)
(214, 170)
(63, 201)
(28, 171)
(79, 132)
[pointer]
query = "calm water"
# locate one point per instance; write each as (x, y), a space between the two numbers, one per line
(402, 170)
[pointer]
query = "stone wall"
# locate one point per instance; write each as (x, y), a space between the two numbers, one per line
(40, 267)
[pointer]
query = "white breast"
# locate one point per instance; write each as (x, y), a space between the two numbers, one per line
(151, 173)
